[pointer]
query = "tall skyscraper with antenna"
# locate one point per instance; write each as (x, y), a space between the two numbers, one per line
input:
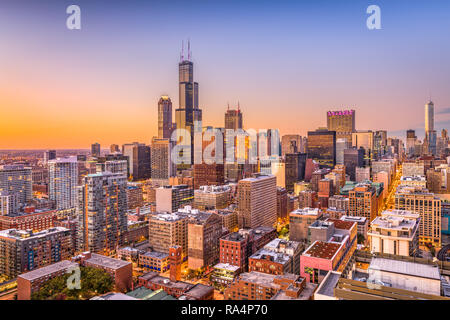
(188, 112)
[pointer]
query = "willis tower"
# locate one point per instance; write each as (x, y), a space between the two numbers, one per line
(188, 116)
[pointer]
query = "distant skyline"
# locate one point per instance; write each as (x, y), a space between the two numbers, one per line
(286, 62)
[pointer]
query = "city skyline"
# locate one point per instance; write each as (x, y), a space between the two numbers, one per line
(110, 92)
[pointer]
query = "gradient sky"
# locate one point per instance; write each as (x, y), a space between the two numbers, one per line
(287, 62)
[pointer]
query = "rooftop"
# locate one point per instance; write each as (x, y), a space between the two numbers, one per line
(413, 178)
(405, 267)
(322, 250)
(199, 290)
(342, 224)
(113, 296)
(307, 212)
(226, 266)
(265, 254)
(22, 235)
(257, 178)
(329, 283)
(156, 254)
(354, 219)
(107, 262)
(48, 270)
(213, 189)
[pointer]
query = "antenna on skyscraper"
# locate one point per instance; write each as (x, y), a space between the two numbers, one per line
(228, 103)
(239, 106)
(182, 51)
(189, 49)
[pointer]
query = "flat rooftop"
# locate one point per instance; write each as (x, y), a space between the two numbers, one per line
(413, 178)
(265, 254)
(307, 212)
(199, 290)
(394, 223)
(406, 268)
(342, 224)
(107, 262)
(226, 266)
(156, 255)
(23, 235)
(354, 219)
(322, 250)
(48, 270)
(329, 283)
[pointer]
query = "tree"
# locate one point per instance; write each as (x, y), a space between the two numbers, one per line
(93, 282)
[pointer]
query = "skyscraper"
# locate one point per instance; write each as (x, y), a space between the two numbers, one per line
(162, 165)
(322, 147)
(341, 145)
(353, 158)
(164, 117)
(291, 143)
(16, 179)
(343, 122)
(188, 114)
(49, 155)
(95, 150)
(233, 119)
(63, 177)
(410, 142)
(114, 148)
(101, 212)
(430, 133)
(295, 164)
(257, 201)
(139, 160)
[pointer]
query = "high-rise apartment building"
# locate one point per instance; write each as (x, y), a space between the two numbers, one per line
(164, 117)
(421, 201)
(363, 201)
(343, 122)
(113, 166)
(101, 212)
(430, 133)
(171, 198)
(63, 177)
(208, 174)
(139, 160)
(395, 232)
(168, 230)
(163, 167)
(322, 147)
(24, 250)
(95, 150)
(204, 232)
(17, 179)
(257, 201)
(9, 203)
(212, 197)
(49, 155)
